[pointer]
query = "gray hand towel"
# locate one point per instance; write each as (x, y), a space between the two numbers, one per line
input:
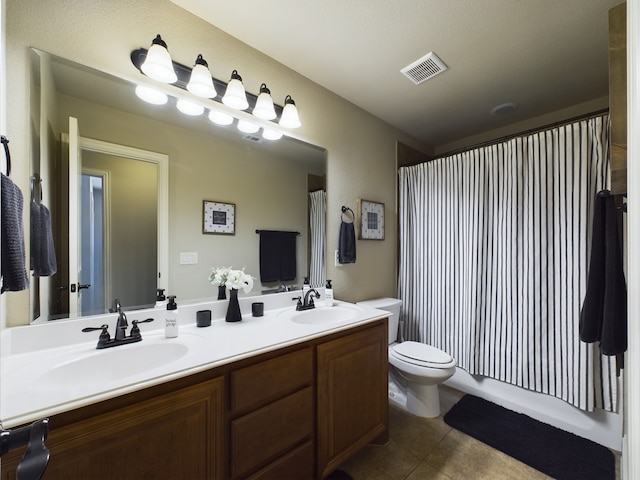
(14, 273)
(43, 254)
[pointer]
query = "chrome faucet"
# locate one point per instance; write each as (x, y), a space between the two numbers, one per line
(120, 338)
(307, 303)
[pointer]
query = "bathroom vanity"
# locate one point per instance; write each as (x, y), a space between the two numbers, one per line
(273, 408)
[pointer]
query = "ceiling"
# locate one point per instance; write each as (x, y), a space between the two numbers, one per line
(543, 55)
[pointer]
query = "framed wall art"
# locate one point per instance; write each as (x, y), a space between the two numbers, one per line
(370, 220)
(218, 217)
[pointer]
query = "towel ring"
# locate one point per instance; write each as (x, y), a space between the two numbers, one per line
(345, 210)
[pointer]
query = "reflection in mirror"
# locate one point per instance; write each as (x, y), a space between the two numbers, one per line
(268, 181)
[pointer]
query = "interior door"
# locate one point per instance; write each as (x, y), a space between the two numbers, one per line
(75, 232)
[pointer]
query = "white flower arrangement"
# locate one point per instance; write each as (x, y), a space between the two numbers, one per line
(232, 279)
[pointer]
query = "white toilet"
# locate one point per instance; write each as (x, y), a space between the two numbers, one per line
(416, 369)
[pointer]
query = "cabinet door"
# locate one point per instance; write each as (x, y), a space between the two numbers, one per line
(352, 395)
(176, 435)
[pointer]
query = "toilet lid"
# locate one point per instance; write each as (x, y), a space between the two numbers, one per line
(423, 354)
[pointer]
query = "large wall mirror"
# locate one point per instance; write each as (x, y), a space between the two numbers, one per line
(143, 172)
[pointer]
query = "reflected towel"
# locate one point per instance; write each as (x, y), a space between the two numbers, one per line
(43, 255)
(347, 243)
(14, 273)
(604, 311)
(277, 256)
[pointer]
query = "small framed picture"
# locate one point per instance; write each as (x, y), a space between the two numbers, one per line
(218, 217)
(370, 220)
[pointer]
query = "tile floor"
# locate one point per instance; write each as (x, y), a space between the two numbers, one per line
(422, 448)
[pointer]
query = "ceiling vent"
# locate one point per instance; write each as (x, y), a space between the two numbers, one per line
(252, 138)
(424, 68)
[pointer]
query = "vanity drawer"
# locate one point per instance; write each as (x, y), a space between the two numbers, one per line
(272, 431)
(255, 386)
(298, 464)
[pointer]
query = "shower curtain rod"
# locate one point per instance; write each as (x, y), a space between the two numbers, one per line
(523, 134)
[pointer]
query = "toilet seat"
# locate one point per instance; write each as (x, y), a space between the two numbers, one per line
(421, 354)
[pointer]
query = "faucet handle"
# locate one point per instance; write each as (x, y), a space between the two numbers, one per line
(299, 304)
(135, 330)
(104, 335)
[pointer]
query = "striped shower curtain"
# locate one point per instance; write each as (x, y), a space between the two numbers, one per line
(494, 246)
(317, 222)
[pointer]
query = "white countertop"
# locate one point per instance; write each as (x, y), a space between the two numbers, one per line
(52, 368)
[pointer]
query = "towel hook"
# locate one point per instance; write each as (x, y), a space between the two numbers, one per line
(5, 144)
(345, 210)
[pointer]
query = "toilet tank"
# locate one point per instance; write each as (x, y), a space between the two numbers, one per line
(392, 305)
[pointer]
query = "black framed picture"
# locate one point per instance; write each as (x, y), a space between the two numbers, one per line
(218, 217)
(370, 220)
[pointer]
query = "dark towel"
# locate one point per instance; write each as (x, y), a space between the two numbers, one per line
(14, 273)
(277, 256)
(347, 243)
(604, 311)
(43, 255)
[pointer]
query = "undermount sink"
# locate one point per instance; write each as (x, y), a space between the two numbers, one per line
(116, 363)
(325, 315)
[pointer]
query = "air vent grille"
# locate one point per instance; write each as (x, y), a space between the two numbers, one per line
(424, 68)
(252, 138)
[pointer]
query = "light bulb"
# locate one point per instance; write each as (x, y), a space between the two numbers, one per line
(264, 104)
(289, 117)
(247, 126)
(200, 82)
(158, 64)
(269, 134)
(220, 118)
(235, 96)
(189, 108)
(151, 95)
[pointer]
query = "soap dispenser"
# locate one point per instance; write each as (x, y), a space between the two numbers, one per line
(171, 318)
(305, 286)
(161, 300)
(328, 295)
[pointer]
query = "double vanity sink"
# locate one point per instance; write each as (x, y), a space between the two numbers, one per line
(290, 394)
(52, 368)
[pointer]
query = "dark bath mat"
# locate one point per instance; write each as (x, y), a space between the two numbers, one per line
(339, 475)
(559, 454)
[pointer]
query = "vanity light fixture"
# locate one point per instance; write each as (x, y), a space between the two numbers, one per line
(264, 104)
(200, 82)
(158, 64)
(235, 96)
(269, 134)
(289, 118)
(151, 95)
(189, 108)
(247, 127)
(220, 118)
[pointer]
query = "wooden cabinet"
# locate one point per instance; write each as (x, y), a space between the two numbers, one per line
(272, 411)
(296, 413)
(352, 395)
(176, 435)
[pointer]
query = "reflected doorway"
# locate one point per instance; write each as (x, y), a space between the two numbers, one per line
(95, 256)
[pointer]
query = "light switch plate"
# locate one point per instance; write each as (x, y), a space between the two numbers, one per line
(188, 258)
(337, 259)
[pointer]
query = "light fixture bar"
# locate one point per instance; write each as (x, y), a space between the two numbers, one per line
(184, 74)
